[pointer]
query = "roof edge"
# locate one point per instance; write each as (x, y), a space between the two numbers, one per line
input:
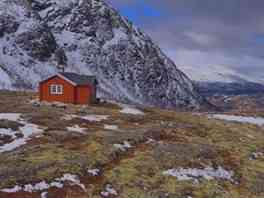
(60, 76)
(66, 79)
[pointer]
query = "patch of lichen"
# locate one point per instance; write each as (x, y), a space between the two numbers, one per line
(141, 176)
(132, 176)
(97, 153)
(44, 163)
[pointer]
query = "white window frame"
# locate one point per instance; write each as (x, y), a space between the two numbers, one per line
(56, 89)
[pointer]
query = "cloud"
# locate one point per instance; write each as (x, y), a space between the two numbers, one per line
(201, 39)
(205, 32)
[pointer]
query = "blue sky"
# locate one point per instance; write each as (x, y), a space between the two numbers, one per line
(140, 10)
(227, 33)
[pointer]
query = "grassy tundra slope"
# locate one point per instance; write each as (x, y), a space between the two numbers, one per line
(109, 150)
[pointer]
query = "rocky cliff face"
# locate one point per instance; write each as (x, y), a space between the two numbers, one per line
(96, 40)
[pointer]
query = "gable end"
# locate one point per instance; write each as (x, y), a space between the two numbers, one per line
(60, 76)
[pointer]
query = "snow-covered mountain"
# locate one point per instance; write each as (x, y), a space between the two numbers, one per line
(96, 40)
(219, 73)
(222, 80)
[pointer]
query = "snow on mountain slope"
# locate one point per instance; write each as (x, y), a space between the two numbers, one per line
(221, 74)
(5, 82)
(96, 40)
(221, 80)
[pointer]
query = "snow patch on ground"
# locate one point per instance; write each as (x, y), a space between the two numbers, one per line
(194, 174)
(91, 118)
(10, 116)
(110, 127)
(44, 195)
(119, 35)
(123, 147)
(251, 120)
(76, 128)
(9, 132)
(109, 191)
(131, 110)
(28, 130)
(150, 141)
(12, 190)
(95, 118)
(94, 172)
(5, 81)
(73, 180)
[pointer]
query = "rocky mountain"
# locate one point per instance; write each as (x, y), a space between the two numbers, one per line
(95, 40)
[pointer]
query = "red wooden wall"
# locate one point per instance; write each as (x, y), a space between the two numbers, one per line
(71, 94)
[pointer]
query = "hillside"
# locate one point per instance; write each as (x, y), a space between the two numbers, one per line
(115, 150)
(91, 38)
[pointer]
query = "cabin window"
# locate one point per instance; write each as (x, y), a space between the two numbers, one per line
(56, 89)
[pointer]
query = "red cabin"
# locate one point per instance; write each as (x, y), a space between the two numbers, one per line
(68, 88)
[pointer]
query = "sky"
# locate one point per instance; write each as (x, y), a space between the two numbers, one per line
(203, 33)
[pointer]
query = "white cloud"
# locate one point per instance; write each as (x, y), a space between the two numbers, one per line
(202, 39)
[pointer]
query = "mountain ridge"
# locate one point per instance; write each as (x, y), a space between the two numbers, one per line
(96, 40)
(218, 73)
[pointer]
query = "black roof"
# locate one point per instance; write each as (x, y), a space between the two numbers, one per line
(79, 79)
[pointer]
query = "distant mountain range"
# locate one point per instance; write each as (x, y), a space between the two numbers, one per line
(218, 74)
(220, 80)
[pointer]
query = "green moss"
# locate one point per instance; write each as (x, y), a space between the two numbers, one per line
(49, 155)
(97, 153)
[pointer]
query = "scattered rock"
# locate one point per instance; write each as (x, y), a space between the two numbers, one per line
(256, 155)
(109, 191)
(123, 147)
(155, 134)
